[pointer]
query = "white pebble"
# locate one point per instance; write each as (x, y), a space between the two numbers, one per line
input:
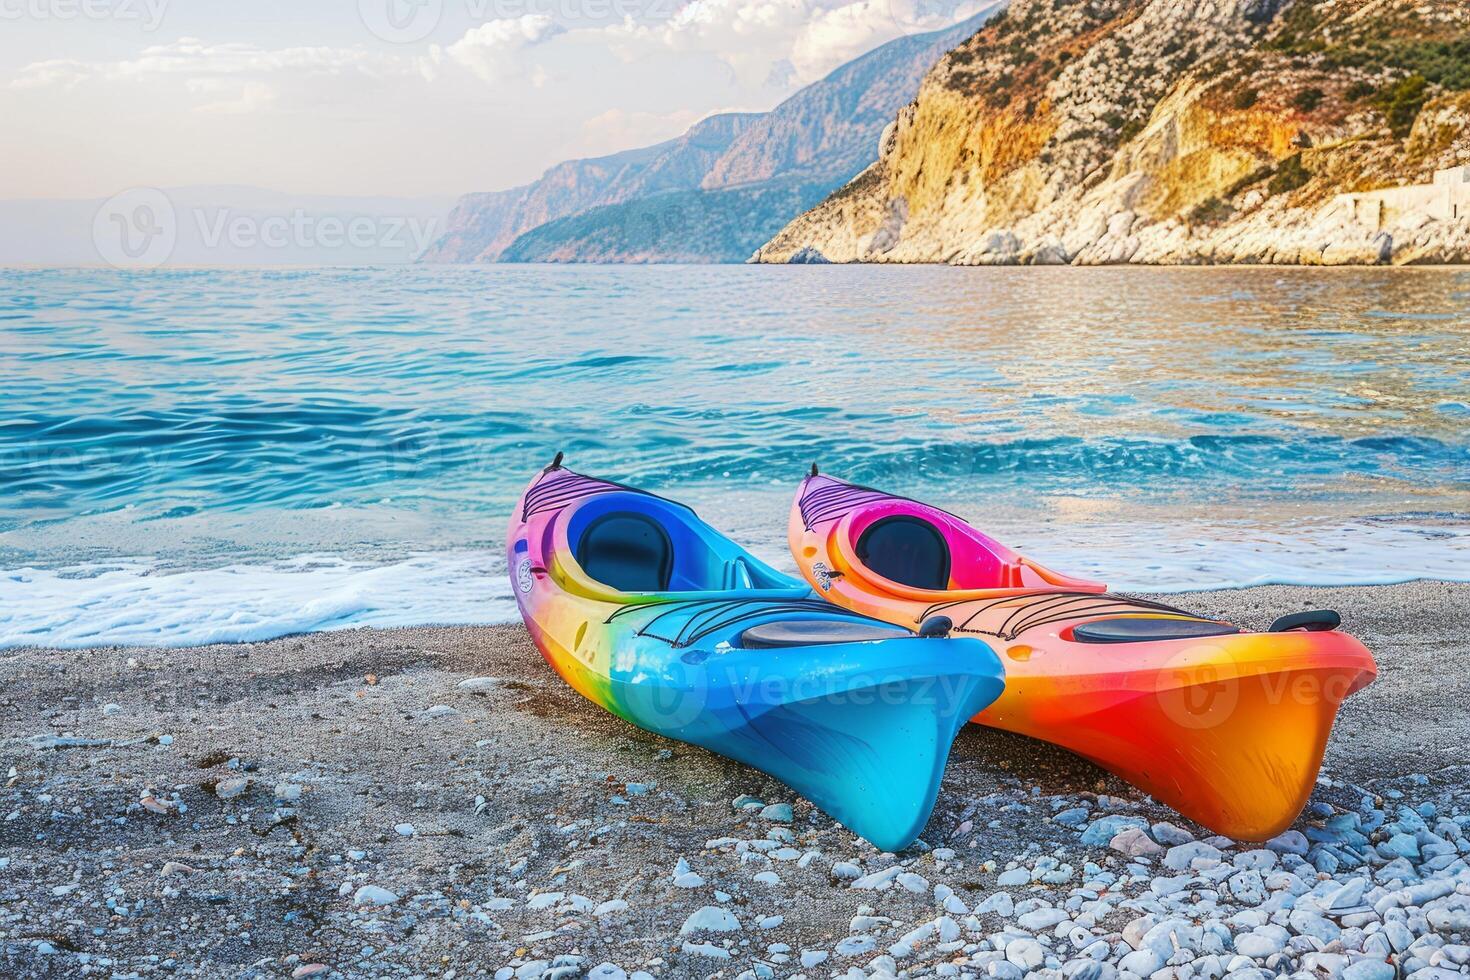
(373, 895)
(711, 918)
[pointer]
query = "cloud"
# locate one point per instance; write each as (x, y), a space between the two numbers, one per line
(394, 116)
(791, 41)
(835, 36)
(234, 99)
(488, 51)
(197, 60)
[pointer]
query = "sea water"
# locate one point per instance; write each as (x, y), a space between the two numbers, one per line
(216, 455)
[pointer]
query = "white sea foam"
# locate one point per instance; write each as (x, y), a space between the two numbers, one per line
(140, 601)
(136, 601)
(1195, 556)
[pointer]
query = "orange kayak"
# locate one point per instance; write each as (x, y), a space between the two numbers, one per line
(1225, 726)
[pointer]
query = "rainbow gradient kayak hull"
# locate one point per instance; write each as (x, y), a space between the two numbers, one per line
(1226, 727)
(726, 653)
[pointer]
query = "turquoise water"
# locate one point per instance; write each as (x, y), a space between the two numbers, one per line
(185, 455)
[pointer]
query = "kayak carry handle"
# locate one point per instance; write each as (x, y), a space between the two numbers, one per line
(555, 463)
(1313, 621)
(936, 627)
(814, 469)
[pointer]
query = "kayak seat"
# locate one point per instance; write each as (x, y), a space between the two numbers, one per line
(813, 632)
(1140, 630)
(628, 552)
(907, 550)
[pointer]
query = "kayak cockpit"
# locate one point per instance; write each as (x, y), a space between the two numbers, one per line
(623, 545)
(924, 549)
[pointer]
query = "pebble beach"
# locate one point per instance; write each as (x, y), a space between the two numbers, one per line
(436, 803)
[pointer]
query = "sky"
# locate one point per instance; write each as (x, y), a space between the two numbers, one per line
(403, 98)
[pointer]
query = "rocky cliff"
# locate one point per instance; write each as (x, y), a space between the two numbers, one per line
(1173, 131)
(736, 177)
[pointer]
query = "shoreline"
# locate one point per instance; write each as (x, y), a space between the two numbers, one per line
(174, 602)
(515, 786)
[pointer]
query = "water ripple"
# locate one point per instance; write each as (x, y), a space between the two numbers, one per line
(402, 409)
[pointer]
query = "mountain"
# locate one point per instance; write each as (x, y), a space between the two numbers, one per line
(692, 226)
(738, 177)
(481, 226)
(1173, 131)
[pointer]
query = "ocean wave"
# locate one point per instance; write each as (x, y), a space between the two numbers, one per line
(309, 455)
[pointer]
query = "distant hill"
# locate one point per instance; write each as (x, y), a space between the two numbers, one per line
(481, 226)
(733, 175)
(694, 226)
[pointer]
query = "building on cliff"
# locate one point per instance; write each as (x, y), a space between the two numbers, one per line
(1447, 199)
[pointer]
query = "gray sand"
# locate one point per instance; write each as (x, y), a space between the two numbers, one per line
(571, 800)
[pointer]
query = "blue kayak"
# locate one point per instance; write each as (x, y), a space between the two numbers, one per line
(651, 613)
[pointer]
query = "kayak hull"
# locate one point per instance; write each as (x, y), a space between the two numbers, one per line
(1228, 729)
(862, 729)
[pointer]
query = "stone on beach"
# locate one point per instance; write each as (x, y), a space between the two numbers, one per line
(915, 883)
(1134, 842)
(1014, 877)
(1025, 953)
(1040, 919)
(231, 787)
(1261, 944)
(710, 918)
(686, 878)
(1170, 835)
(878, 880)
(480, 685)
(1101, 831)
(1183, 857)
(777, 813)
(1289, 842)
(1248, 887)
(374, 895)
(706, 949)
